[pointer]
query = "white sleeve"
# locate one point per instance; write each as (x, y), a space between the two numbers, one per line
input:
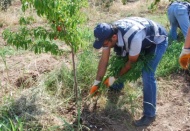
(136, 43)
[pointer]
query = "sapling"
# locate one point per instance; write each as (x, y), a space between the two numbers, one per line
(65, 21)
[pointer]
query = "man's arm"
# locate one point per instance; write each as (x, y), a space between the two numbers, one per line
(127, 67)
(185, 53)
(102, 67)
(187, 40)
(134, 51)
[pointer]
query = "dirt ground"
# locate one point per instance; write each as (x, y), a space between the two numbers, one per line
(173, 109)
(173, 103)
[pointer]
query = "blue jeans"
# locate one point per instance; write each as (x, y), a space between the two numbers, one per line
(149, 81)
(178, 17)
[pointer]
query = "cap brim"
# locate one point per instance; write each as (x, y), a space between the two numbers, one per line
(98, 44)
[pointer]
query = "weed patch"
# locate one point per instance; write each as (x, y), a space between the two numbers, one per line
(169, 63)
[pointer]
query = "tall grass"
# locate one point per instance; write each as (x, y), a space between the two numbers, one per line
(7, 124)
(9, 121)
(5, 51)
(86, 68)
(60, 81)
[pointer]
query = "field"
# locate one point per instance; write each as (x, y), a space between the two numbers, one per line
(36, 90)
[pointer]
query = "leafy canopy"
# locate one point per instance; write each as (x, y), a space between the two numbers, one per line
(65, 18)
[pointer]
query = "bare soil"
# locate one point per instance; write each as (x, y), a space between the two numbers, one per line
(173, 103)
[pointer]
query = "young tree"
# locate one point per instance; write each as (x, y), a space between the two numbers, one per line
(65, 19)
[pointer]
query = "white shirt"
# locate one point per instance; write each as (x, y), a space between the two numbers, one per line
(136, 42)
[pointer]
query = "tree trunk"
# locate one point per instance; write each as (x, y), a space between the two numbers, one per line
(75, 75)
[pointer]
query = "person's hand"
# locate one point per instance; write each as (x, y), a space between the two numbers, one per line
(109, 81)
(94, 88)
(184, 58)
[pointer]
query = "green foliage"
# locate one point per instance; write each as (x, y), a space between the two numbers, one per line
(117, 62)
(180, 36)
(68, 126)
(22, 39)
(6, 50)
(60, 82)
(153, 5)
(26, 21)
(65, 20)
(12, 117)
(169, 62)
(86, 68)
(64, 14)
(9, 125)
(9, 121)
(88, 36)
(61, 79)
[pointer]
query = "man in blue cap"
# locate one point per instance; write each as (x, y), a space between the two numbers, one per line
(178, 15)
(129, 37)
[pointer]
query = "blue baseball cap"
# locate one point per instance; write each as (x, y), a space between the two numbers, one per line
(101, 32)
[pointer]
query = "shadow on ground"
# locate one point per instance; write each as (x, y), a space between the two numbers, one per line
(19, 115)
(111, 118)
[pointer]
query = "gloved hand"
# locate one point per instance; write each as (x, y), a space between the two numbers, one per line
(109, 81)
(184, 58)
(94, 88)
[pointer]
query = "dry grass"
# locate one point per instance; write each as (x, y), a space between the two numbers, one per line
(116, 11)
(10, 18)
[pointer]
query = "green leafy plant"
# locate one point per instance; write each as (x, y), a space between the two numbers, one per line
(117, 62)
(169, 62)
